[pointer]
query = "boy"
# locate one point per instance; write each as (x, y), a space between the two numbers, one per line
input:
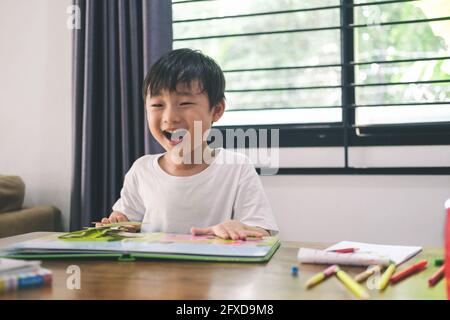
(172, 192)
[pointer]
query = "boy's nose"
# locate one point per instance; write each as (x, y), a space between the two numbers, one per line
(170, 115)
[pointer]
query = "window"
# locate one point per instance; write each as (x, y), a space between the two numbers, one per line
(402, 69)
(329, 72)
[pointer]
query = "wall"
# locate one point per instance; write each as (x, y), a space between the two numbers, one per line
(35, 99)
(380, 209)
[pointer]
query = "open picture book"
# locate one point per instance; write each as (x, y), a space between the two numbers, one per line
(104, 243)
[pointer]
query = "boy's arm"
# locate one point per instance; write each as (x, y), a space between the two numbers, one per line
(130, 205)
(252, 215)
(251, 206)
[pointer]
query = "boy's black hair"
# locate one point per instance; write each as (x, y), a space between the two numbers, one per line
(182, 66)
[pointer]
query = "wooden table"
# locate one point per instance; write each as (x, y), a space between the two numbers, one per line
(159, 279)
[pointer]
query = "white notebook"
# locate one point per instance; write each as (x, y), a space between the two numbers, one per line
(8, 266)
(367, 254)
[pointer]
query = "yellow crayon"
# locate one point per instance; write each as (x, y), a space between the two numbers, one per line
(352, 285)
(317, 278)
(384, 281)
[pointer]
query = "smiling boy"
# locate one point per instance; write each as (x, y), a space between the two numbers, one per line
(175, 191)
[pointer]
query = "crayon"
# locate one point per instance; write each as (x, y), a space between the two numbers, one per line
(319, 277)
(352, 285)
(436, 277)
(417, 267)
(386, 276)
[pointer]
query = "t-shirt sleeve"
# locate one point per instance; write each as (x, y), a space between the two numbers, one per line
(130, 202)
(251, 206)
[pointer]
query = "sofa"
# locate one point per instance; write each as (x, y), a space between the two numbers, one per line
(16, 219)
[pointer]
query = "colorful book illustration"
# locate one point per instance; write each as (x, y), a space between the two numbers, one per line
(131, 246)
(365, 254)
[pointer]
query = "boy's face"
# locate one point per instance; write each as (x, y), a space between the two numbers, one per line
(171, 112)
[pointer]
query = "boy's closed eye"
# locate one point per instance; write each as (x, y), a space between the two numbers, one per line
(159, 105)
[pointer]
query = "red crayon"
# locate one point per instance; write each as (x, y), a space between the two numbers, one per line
(435, 278)
(447, 248)
(345, 250)
(419, 266)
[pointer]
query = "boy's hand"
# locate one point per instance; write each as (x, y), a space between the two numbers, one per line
(231, 229)
(117, 217)
(113, 218)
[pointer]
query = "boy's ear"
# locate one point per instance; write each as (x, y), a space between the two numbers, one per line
(218, 110)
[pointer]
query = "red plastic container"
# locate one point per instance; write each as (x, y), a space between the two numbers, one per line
(447, 247)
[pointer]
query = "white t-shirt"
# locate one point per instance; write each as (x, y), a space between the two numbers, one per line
(229, 188)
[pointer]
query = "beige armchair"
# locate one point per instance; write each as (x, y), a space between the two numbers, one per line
(15, 219)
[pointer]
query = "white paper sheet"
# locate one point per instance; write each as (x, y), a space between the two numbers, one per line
(8, 266)
(306, 255)
(366, 255)
(397, 254)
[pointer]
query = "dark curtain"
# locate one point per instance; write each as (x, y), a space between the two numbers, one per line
(117, 42)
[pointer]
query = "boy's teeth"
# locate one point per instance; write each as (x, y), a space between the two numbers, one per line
(171, 134)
